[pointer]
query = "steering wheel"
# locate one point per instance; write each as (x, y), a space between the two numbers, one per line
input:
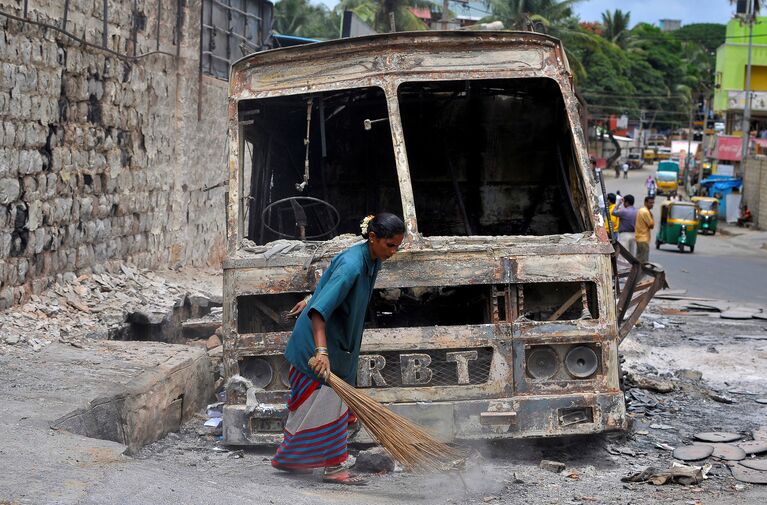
(299, 205)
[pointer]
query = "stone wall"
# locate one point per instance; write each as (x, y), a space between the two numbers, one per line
(755, 189)
(102, 156)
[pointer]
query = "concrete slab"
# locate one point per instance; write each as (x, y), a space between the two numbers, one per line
(70, 413)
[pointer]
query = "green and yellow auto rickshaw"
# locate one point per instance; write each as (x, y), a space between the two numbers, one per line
(708, 212)
(678, 225)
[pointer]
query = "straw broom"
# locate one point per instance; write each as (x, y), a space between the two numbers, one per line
(407, 443)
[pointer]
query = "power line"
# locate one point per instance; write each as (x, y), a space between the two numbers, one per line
(659, 121)
(609, 95)
(649, 111)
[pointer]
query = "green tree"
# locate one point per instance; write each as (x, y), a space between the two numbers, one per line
(302, 19)
(554, 17)
(532, 15)
(616, 27)
(708, 36)
(377, 13)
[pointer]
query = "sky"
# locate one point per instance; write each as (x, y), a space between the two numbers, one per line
(649, 11)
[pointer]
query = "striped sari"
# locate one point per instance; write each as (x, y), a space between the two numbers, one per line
(316, 429)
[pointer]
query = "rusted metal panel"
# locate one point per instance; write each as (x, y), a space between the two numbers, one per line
(408, 270)
(366, 58)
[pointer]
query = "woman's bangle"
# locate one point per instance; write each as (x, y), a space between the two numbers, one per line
(308, 297)
(321, 350)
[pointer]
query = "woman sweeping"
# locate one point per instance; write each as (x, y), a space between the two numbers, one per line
(329, 328)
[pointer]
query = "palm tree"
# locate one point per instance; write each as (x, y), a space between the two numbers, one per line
(616, 27)
(553, 17)
(531, 15)
(377, 13)
(302, 19)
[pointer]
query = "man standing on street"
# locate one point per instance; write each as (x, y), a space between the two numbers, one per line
(615, 220)
(628, 216)
(625, 168)
(643, 230)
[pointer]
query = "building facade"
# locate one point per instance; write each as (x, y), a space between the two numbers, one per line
(731, 62)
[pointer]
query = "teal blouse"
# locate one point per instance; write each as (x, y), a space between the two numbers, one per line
(341, 298)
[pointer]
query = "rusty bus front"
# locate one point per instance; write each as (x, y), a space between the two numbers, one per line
(498, 316)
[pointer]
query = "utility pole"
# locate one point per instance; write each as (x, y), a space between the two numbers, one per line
(689, 146)
(705, 138)
(443, 21)
(750, 19)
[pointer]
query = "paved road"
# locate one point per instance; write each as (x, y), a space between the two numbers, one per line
(725, 265)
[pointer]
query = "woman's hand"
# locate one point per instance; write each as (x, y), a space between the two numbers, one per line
(298, 308)
(321, 365)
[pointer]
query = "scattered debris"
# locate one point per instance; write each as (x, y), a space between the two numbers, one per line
(680, 474)
(717, 436)
(668, 311)
(659, 426)
(692, 375)
(620, 450)
(98, 305)
(642, 402)
(753, 446)
(727, 452)
(671, 294)
(736, 314)
(237, 388)
(650, 383)
(721, 397)
(755, 464)
(551, 466)
(374, 460)
(759, 433)
(213, 422)
(750, 475)
(693, 452)
(573, 475)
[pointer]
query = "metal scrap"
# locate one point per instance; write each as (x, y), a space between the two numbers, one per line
(679, 474)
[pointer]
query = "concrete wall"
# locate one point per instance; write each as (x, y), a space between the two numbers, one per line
(102, 157)
(755, 189)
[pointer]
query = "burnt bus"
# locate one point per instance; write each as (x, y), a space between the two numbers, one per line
(502, 313)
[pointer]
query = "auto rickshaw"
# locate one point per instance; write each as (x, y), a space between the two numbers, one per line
(708, 212)
(678, 225)
(665, 182)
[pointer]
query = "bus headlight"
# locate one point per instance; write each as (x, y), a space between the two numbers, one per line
(258, 371)
(542, 363)
(581, 362)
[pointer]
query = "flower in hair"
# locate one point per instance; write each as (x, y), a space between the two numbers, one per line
(365, 222)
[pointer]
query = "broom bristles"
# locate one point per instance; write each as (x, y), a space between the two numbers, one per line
(406, 442)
